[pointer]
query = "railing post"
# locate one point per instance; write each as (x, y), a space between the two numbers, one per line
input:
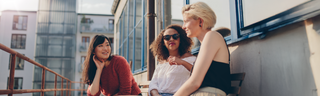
(55, 85)
(12, 69)
(70, 88)
(81, 87)
(67, 87)
(61, 86)
(43, 82)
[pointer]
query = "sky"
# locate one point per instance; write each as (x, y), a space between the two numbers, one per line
(85, 6)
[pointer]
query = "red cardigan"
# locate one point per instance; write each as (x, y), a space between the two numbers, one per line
(117, 78)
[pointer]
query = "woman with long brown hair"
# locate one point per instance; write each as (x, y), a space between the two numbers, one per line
(105, 73)
(172, 48)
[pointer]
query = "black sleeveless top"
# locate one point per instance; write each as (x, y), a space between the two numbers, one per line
(218, 76)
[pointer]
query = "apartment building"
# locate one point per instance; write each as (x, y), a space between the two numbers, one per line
(17, 31)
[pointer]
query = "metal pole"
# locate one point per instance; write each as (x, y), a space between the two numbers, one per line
(67, 87)
(70, 88)
(55, 85)
(150, 37)
(42, 82)
(61, 86)
(12, 69)
(81, 87)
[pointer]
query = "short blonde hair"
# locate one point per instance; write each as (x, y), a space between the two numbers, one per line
(203, 11)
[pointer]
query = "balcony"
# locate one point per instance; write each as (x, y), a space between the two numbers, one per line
(83, 47)
(95, 28)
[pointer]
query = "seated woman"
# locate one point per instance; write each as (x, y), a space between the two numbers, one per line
(211, 71)
(105, 73)
(172, 48)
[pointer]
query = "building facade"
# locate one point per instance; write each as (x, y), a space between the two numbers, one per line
(90, 25)
(17, 31)
(275, 46)
(55, 42)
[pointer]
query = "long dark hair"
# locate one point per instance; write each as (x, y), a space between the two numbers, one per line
(159, 49)
(90, 67)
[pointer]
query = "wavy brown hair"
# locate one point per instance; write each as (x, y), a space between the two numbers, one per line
(159, 49)
(90, 67)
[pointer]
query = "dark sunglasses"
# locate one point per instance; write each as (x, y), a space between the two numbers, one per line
(168, 37)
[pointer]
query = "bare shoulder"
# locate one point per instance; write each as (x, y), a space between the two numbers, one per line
(214, 37)
(214, 34)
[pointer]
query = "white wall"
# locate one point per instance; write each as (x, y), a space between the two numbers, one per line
(5, 39)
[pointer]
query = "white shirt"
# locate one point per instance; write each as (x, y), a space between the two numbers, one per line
(169, 78)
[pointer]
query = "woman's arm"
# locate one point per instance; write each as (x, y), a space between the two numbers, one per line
(173, 60)
(154, 92)
(211, 44)
(153, 85)
(94, 87)
(125, 76)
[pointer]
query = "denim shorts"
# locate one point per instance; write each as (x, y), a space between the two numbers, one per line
(166, 94)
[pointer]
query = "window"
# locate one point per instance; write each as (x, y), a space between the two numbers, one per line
(17, 83)
(18, 41)
(20, 22)
(111, 23)
(83, 58)
(19, 63)
(80, 67)
(253, 20)
(131, 30)
(84, 43)
(85, 39)
(111, 42)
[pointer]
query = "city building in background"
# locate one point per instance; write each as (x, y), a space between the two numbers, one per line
(17, 31)
(90, 25)
(55, 42)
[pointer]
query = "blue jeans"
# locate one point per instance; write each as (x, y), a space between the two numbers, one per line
(166, 94)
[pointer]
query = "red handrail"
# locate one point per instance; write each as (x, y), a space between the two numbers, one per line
(11, 91)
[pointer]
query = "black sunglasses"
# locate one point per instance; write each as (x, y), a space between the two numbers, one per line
(168, 37)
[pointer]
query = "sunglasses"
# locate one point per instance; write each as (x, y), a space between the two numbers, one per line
(168, 37)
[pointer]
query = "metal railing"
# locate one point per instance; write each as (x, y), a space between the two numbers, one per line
(11, 91)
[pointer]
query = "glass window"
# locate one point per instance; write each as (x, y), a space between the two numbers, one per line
(17, 83)
(222, 10)
(84, 43)
(131, 49)
(19, 22)
(252, 7)
(137, 48)
(131, 17)
(111, 24)
(18, 41)
(176, 6)
(19, 63)
(138, 10)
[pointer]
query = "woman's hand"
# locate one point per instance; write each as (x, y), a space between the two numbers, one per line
(99, 64)
(173, 60)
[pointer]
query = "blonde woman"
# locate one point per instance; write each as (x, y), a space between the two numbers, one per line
(211, 71)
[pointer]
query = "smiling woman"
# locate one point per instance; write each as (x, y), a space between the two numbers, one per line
(106, 73)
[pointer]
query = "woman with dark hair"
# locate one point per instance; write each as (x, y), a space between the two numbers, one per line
(172, 48)
(106, 73)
